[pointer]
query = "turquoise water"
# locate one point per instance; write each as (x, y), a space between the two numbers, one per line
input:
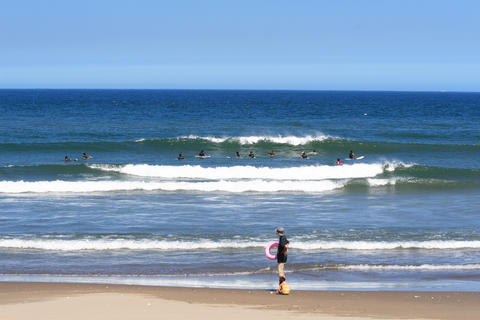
(404, 217)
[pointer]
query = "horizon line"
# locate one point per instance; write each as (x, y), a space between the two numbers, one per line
(237, 89)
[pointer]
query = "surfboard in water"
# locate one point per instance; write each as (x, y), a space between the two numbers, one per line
(357, 158)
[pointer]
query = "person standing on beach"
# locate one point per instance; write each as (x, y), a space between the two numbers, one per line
(281, 253)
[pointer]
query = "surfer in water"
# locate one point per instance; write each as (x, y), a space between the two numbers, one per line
(237, 155)
(352, 155)
(201, 154)
(303, 155)
(67, 158)
(339, 161)
(271, 153)
(180, 156)
(251, 155)
(85, 156)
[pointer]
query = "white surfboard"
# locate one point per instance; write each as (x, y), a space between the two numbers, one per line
(357, 158)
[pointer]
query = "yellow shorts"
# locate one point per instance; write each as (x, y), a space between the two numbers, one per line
(281, 270)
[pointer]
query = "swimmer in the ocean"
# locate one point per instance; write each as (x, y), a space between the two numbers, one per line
(339, 161)
(85, 156)
(237, 155)
(67, 158)
(180, 156)
(201, 154)
(272, 153)
(251, 155)
(303, 155)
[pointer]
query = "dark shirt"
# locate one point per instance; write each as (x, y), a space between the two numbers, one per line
(282, 251)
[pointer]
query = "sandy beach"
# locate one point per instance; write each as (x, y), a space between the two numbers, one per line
(20, 300)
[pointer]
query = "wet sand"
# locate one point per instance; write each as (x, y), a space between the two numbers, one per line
(24, 300)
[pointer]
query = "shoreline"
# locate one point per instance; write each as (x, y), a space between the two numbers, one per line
(34, 300)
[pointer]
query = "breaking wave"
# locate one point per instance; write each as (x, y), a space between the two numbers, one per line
(208, 186)
(207, 244)
(311, 179)
(315, 172)
(279, 139)
(425, 267)
(319, 178)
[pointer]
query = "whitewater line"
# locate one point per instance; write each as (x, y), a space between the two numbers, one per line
(312, 172)
(205, 244)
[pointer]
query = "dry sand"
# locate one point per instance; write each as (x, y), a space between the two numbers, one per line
(32, 301)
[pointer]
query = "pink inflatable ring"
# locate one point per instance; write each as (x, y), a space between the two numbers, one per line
(269, 247)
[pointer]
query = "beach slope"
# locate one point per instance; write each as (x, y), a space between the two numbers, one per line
(93, 301)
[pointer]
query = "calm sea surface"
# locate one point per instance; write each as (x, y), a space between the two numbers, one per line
(405, 217)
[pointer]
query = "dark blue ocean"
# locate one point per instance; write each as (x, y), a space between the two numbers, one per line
(404, 217)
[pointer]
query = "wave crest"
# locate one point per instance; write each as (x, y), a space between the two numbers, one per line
(206, 244)
(315, 178)
(246, 140)
(314, 172)
(209, 186)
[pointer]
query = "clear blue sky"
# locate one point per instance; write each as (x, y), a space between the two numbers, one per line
(295, 44)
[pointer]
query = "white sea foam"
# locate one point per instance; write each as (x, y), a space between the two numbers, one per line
(316, 178)
(206, 244)
(118, 244)
(292, 140)
(392, 165)
(209, 186)
(386, 245)
(382, 182)
(313, 172)
(426, 267)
